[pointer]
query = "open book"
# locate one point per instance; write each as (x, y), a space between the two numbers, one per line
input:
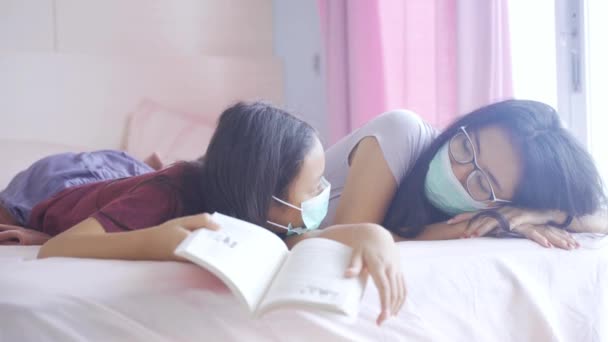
(259, 269)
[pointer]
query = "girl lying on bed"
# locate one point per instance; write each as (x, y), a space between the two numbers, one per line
(507, 169)
(262, 165)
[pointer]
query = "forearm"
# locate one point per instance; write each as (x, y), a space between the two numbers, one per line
(441, 231)
(145, 244)
(596, 223)
(348, 234)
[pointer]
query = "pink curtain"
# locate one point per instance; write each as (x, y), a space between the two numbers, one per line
(440, 58)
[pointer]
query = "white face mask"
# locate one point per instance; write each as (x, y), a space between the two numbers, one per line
(444, 190)
(313, 211)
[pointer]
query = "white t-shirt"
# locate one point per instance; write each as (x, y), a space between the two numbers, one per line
(402, 136)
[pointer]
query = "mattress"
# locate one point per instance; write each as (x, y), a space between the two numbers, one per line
(461, 290)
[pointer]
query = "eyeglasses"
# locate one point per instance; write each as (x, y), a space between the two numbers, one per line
(478, 183)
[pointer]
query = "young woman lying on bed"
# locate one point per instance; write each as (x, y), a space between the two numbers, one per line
(507, 169)
(262, 165)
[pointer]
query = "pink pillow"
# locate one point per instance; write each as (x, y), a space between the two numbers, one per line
(154, 128)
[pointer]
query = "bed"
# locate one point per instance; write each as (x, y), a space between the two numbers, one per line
(463, 290)
(74, 95)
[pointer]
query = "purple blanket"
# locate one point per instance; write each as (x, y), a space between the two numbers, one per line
(51, 175)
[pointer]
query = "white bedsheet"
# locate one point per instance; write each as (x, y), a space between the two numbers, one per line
(463, 290)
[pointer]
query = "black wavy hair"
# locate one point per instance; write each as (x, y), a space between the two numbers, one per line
(255, 152)
(559, 174)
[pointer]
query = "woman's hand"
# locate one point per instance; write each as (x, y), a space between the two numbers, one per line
(548, 236)
(375, 252)
(533, 224)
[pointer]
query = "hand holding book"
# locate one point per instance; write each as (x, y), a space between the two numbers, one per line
(259, 269)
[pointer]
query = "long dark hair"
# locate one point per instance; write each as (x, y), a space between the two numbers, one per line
(558, 173)
(255, 153)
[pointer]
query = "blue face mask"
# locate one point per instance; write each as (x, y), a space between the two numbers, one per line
(443, 189)
(313, 211)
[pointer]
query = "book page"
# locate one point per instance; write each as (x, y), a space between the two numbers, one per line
(313, 277)
(245, 256)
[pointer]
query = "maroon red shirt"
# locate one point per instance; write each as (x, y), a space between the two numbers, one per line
(119, 205)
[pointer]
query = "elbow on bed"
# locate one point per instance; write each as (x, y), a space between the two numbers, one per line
(49, 249)
(44, 252)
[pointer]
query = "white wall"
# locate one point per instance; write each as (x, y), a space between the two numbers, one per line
(297, 41)
(26, 26)
(288, 28)
(71, 70)
(140, 27)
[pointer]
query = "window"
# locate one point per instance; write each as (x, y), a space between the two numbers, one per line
(559, 58)
(597, 71)
(532, 31)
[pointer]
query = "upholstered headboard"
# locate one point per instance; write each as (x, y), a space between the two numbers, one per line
(77, 100)
(84, 100)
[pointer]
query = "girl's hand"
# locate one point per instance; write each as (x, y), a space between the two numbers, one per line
(375, 252)
(88, 239)
(171, 233)
(191, 223)
(530, 223)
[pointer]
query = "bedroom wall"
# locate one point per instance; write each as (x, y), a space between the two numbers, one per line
(216, 27)
(69, 64)
(298, 42)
